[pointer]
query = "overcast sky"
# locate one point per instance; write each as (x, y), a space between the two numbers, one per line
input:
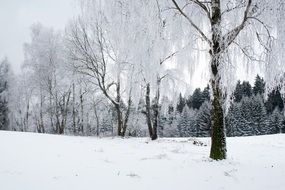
(16, 17)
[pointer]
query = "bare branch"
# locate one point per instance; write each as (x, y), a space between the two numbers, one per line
(168, 57)
(191, 22)
(203, 6)
(229, 9)
(231, 36)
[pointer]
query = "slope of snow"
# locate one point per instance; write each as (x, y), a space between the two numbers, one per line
(47, 162)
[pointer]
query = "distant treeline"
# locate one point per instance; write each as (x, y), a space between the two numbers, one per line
(250, 112)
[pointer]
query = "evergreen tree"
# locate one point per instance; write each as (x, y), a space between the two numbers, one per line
(186, 125)
(283, 125)
(203, 120)
(246, 125)
(242, 90)
(259, 86)
(192, 129)
(246, 89)
(171, 113)
(254, 116)
(183, 123)
(274, 100)
(196, 100)
(181, 103)
(206, 94)
(170, 109)
(258, 115)
(170, 128)
(235, 123)
(162, 123)
(275, 122)
(238, 92)
(4, 74)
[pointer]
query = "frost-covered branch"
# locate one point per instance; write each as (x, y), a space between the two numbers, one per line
(191, 22)
(228, 38)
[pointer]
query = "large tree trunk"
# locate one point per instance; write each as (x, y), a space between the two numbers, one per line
(218, 147)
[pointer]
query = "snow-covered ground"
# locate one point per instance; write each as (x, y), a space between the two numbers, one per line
(47, 162)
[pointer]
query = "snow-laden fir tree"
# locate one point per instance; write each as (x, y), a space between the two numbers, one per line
(203, 120)
(187, 123)
(274, 100)
(243, 89)
(234, 121)
(259, 86)
(254, 118)
(276, 119)
(181, 103)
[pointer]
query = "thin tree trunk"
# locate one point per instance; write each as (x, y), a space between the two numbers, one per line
(97, 120)
(82, 112)
(66, 110)
(148, 110)
(27, 116)
(152, 120)
(50, 104)
(41, 127)
(125, 125)
(156, 114)
(119, 120)
(73, 109)
(118, 109)
(57, 124)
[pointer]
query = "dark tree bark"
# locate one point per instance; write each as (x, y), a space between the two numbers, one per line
(41, 128)
(97, 120)
(152, 119)
(148, 110)
(82, 112)
(125, 124)
(61, 112)
(218, 148)
(73, 109)
(118, 109)
(26, 120)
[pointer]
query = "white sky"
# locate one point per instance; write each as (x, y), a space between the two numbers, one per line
(16, 17)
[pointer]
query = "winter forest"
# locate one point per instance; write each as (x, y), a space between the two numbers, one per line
(123, 68)
(154, 69)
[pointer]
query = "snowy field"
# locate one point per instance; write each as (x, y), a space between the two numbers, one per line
(47, 162)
